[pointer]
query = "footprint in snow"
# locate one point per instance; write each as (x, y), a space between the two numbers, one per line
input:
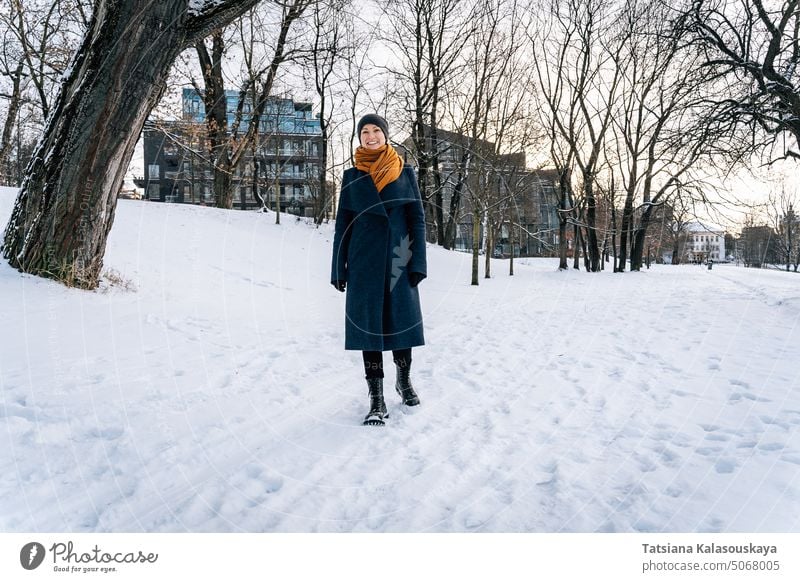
(646, 465)
(725, 466)
(708, 451)
(10, 410)
(772, 447)
(667, 456)
(774, 421)
(107, 434)
(755, 398)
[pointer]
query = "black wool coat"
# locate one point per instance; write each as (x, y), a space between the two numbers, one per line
(379, 240)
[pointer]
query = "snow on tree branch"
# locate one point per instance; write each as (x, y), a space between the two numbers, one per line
(208, 15)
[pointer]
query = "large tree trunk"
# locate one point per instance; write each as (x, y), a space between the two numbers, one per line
(627, 222)
(322, 211)
(562, 242)
(476, 236)
(511, 240)
(592, 253)
(223, 181)
(65, 208)
(437, 185)
(487, 255)
(455, 200)
(564, 210)
(637, 249)
(614, 233)
(216, 106)
(586, 258)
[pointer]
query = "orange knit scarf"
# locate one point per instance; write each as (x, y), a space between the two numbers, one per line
(383, 164)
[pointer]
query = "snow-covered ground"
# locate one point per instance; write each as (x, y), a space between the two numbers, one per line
(217, 396)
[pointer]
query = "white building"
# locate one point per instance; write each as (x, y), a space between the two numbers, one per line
(704, 242)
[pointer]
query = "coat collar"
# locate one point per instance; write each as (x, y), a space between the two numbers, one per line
(361, 195)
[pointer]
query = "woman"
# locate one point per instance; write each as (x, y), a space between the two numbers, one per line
(379, 258)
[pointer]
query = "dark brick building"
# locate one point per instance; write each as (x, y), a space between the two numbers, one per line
(529, 217)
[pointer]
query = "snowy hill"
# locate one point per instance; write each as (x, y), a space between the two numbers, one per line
(215, 393)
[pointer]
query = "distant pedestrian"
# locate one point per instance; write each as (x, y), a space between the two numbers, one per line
(379, 259)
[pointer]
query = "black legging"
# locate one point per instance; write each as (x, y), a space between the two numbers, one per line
(373, 361)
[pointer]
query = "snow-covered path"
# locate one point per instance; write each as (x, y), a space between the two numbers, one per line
(217, 396)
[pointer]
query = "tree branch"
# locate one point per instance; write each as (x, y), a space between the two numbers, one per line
(211, 15)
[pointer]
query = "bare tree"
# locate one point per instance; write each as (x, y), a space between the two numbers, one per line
(754, 47)
(662, 128)
(227, 148)
(576, 48)
(44, 35)
(332, 46)
(60, 222)
(429, 36)
(680, 217)
(782, 215)
(39, 38)
(623, 97)
(216, 110)
(484, 108)
(11, 125)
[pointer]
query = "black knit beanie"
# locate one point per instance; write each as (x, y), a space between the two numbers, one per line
(375, 119)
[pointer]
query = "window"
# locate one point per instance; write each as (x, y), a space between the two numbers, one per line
(153, 192)
(153, 171)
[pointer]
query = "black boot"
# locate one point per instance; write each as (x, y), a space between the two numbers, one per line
(403, 385)
(377, 407)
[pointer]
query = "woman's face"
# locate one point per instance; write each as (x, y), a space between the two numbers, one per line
(372, 137)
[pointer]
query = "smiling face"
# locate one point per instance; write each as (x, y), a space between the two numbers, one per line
(372, 137)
